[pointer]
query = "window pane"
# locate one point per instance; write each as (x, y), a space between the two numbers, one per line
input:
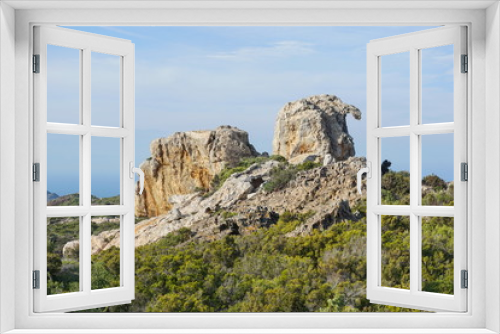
(396, 251)
(63, 85)
(395, 157)
(437, 84)
(105, 252)
(395, 89)
(63, 170)
(105, 171)
(437, 169)
(105, 89)
(437, 254)
(63, 255)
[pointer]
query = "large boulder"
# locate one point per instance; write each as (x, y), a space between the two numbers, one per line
(314, 126)
(187, 161)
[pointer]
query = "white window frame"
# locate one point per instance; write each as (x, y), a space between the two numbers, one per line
(483, 20)
(414, 43)
(86, 44)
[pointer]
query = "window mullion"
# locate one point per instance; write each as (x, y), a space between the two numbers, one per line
(85, 167)
(414, 170)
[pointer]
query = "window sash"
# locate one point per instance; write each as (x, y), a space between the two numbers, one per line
(87, 43)
(414, 298)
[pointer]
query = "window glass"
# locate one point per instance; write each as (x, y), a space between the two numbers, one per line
(437, 84)
(395, 182)
(63, 255)
(106, 90)
(395, 89)
(437, 254)
(106, 171)
(395, 251)
(105, 252)
(437, 169)
(63, 85)
(63, 170)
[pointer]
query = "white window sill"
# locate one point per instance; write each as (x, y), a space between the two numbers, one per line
(250, 331)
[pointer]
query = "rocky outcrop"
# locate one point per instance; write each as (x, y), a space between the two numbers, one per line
(314, 126)
(51, 196)
(327, 192)
(187, 161)
(242, 205)
(311, 129)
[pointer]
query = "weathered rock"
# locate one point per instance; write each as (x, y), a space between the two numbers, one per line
(101, 220)
(241, 206)
(311, 129)
(201, 214)
(314, 126)
(328, 159)
(71, 249)
(328, 192)
(187, 161)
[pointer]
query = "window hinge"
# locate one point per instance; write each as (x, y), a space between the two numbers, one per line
(465, 64)
(36, 63)
(36, 279)
(464, 171)
(465, 279)
(36, 172)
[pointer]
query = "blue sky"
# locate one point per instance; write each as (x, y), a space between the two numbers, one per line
(196, 78)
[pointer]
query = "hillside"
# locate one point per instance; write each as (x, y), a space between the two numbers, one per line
(271, 270)
(225, 229)
(256, 197)
(74, 199)
(279, 261)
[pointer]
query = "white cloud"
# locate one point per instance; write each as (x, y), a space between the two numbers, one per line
(277, 49)
(128, 32)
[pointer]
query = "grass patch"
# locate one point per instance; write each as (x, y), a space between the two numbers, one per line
(284, 173)
(243, 165)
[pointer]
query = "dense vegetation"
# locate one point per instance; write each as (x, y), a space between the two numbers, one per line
(63, 271)
(266, 271)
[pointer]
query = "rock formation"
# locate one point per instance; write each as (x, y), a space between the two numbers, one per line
(314, 126)
(241, 205)
(311, 129)
(187, 161)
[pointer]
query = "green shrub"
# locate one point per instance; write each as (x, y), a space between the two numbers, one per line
(228, 214)
(307, 165)
(435, 182)
(279, 178)
(278, 158)
(241, 166)
(54, 263)
(106, 226)
(266, 270)
(284, 173)
(396, 188)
